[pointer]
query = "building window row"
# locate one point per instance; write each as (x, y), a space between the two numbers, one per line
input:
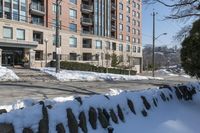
(8, 33)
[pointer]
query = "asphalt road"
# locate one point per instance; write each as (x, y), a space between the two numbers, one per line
(10, 92)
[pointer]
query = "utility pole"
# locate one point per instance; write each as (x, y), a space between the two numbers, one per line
(153, 52)
(58, 50)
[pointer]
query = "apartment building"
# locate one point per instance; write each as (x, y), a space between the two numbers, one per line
(89, 31)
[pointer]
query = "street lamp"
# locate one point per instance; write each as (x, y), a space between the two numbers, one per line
(46, 41)
(153, 58)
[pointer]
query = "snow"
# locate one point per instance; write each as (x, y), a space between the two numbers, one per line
(174, 116)
(7, 75)
(68, 75)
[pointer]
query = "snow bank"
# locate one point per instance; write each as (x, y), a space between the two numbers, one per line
(159, 110)
(68, 75)
(7, 75)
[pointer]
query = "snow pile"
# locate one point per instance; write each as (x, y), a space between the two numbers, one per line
(7, 75)
(165, 72)
(68, 75)
(160, 110)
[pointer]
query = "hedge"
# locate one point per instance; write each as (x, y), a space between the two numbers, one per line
(88, 67)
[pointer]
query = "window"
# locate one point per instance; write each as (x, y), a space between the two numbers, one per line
(120, 16)
(7, 32)
(114, 46)
(134, 13)
(73, 42)
(128, 1)
(73, 1)
(128, 19)
(134, 4)
(138, 32)
(38, 37)
(134, 40)
(54, 8)
(138, 41)
(20, 35)
(127, 48)
(128, 9)
(120, 6)
(107, 45)
(72, 56)
(87, 43)
(134, 22)
(138, 6)
(138, 14)
(120, 47)
(134, 49)
(121, 27)
(128, 38)
(128, 28)
(73, 27)
(38, 55)
(134, 31)
(121, 37)
(138, 50)
(87, 56)
(73, 13)
(138, 23)
(98, 44)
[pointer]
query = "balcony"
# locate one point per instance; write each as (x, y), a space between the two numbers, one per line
(86, 21)
(37, 21)
(37, 9)
(113, 6)
(114, 17)
(87, 8)
(113, 27)
(87, 32)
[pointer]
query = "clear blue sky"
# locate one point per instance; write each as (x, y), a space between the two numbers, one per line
(171, 27)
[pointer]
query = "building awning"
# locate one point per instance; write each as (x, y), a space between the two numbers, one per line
(17, 43)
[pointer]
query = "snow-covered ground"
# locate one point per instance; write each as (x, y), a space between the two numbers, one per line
(68, 75)
(7, 75)
(164, 72)
(173, 116)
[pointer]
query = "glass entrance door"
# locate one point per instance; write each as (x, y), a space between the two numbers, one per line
(7, 58)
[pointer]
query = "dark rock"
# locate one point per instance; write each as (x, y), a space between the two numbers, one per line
(83, 122)
(27, 130)
(155, 102)
(60, 128)
(79, 100)
(106, 97)
(6, 128)
(110, 129)
(113, 116)
(162, 95)
(93, 117)
(44, 122)
(106, 114)
(72, 122)
(131, 106)
(146, 103)
(178, 93)
(120, 113)
(144, 113)
(2, 111)
(170, 95)
(102, 119)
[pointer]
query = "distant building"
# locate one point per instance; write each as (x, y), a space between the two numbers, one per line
(89, 30)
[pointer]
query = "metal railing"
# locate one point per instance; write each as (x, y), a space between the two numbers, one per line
(87, 20)
(87, 7)
(36, 6)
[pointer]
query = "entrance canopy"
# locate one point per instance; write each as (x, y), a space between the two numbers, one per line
(17, 43)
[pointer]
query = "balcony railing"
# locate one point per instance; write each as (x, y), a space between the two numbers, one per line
(87, 8)
(87, 21)
(87, 32)
(114, 17)
(37, 8)
(113, 5)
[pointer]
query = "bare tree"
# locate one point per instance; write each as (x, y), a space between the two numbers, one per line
(181, 9)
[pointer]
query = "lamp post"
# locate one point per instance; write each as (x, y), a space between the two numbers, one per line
(46, 41)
